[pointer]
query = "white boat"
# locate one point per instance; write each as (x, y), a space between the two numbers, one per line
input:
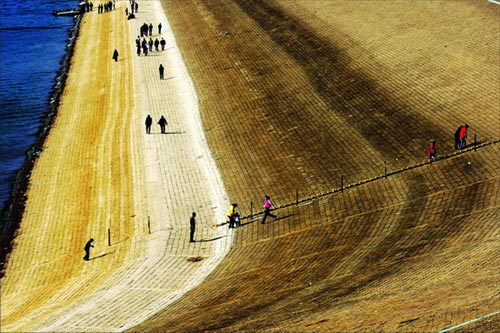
(67, 12)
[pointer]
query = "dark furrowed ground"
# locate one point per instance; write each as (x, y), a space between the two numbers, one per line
(291, 102)
(341, 257)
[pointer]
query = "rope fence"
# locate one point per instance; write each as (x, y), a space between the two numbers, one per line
(474, 147)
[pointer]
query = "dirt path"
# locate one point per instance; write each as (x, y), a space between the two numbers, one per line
(101, 173)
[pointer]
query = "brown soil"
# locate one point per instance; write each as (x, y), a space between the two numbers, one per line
(296, 94)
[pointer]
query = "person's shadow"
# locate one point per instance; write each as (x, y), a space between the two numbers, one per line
(270, 219)
(100, 256)
(211, 240)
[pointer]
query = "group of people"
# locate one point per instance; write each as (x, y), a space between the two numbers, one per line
(460, 142)
(162, 122)
(106, 7)
(147, 30)
(87, 6)
(134, 8)
(147, 46)
(234, 219)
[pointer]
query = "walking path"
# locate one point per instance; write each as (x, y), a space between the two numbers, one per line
(99, 172)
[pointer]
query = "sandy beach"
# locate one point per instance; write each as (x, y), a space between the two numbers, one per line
(99, 171)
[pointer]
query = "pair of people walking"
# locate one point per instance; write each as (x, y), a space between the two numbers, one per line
(233, 216)
(162, 122)
(461, 137)
(460, 142)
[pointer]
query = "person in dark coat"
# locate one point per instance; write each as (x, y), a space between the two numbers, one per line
(161, 69)
(457, 137)
(144, 45)
(163, 123)
(150, 28)
(87, 247)
(148, 123)
(159, 28)
(192, 223)
(163, 43)
(115, 55)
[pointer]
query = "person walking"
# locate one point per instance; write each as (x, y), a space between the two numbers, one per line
(161, 69)
(192, 223)
(87, 247)
(463, 136)
(115, 55)
(457, 137)
(163, 123)
(148, 123)
(237, 219)
(163, 43)
(159, 28)
(268, 205)
(150, 29)
(431, 151)
(230, 214)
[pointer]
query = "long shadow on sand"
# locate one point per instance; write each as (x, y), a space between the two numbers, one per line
(268, 220)
(210, 240)
(102, 255)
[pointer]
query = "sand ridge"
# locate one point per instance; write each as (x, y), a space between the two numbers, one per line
(142, 188)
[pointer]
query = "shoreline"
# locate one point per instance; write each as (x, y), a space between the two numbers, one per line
(13, 209)
(116, 185)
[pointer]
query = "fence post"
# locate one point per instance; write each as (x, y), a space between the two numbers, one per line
(149, 224)
(341, 183)
(385, 169)
(297, 197)
(109, 237)
(251, 209)
(475, 143)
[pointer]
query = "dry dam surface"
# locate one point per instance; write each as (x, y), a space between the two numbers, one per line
(326, 106)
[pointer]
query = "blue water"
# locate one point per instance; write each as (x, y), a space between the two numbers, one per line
(32, 46)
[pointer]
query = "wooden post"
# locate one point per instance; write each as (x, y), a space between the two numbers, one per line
(251, 209)
(341, 183)
(109, 237)
(385, 169)
(149, 224)
(475, 142)
(297, 197)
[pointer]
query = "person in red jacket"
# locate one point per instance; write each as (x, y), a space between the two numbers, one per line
(431, 151)
(463, 136)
